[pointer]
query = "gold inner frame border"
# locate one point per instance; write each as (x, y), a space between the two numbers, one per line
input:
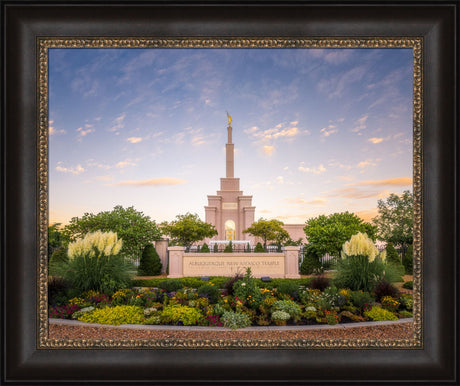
(43, 44)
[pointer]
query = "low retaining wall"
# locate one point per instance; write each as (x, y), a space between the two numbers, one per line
(274, 265)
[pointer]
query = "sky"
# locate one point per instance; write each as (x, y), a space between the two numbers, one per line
(316, 131)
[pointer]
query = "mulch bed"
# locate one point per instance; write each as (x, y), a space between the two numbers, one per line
(394, 331)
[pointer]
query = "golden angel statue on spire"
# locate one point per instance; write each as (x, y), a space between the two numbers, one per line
(229, 119)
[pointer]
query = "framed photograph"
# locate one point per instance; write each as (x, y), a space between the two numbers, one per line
(92, 90)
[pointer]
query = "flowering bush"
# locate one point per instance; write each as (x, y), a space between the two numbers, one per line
(377, 313)
(235, 320)
(181, 315)
(288, 306)
(406, 302)
(94, 264)
(122, 296)
(331, 317)
(362, 299)
(115, 315)
(79, 313)
(280, 317)
(390, 303)
(361, 265)
(63, 312)
(248, 290)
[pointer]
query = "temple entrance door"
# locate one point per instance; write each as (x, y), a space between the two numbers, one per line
(230, 230)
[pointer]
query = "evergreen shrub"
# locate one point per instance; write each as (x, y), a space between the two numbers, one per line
(408, 260)
(205, 248)
(311, 261)
(150, 263)
(171, 285)
(229, 247)
(259, 248)
(210, 291)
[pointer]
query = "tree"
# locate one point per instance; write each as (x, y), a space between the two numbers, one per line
(205, 248)
(395, 219)
(187, 229)
(311, 261)
(392, 254)
(55, 238)
(135, 228)
(408, 260)
(229, 247)
(328, 233)
(150, 263)
(259, 248)
(268, 230)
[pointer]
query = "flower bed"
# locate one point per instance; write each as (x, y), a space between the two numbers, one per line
(243, 304)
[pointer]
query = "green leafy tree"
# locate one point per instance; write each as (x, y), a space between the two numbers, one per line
(328, 233)
(150, 263)
(56, 238)
(268, 230)
(395, 219)
(187, 229)
(136, 229)
(58, 258)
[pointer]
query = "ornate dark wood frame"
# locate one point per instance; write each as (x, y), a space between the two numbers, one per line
(31, 28)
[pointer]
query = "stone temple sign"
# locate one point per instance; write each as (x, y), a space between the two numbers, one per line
(230, 211)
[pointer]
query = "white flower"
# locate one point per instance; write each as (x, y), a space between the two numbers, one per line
(93, 243)
(360, 244)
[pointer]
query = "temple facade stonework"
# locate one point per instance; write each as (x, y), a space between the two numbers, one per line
(230, 211)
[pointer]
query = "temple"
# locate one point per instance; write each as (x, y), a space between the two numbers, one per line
(230, 211)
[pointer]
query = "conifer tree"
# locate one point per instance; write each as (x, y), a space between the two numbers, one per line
(150, 263)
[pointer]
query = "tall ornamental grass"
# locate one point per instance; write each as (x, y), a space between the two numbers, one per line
(95, 264)
(361, 266)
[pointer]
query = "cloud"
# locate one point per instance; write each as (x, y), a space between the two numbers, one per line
(268, 150)
(164, 181)
(360, 124)
(134, 139)
(198, 140)
(125, 163)
(280, 180)
(76, 170)
(365, 163)
(117, 123)
(399, 181)
(103, 178)
(52, 130)
(375, 140)
(281, 130)
(315, 170)
(82, 132)
(327, 132)
(296, 200)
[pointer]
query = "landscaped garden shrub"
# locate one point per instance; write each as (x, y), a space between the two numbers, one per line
(408, 260)
(320, 283)
(94, 263)
(122, 296)
(389, 303)
(171, 285)
(383, 288)
(82, 311)
(392, 254)
(59, 290)
(58, 257)
(210, 291)
(361, 265)
(280, 317)
(408, 285)
(205, 248)
(235, 320)
(311, 262)
(259, 248)
(288, 306)
(248, 290)
(181, 315)
(150, 262)
(63, 312)
(229, 247)
(377, 314)
(114, 315)
(406, 302)
(331, 298)
(215, 248)
(288, 288)
(405, 314)
(361, 299)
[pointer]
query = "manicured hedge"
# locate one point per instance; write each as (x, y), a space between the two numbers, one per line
(218, 281)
